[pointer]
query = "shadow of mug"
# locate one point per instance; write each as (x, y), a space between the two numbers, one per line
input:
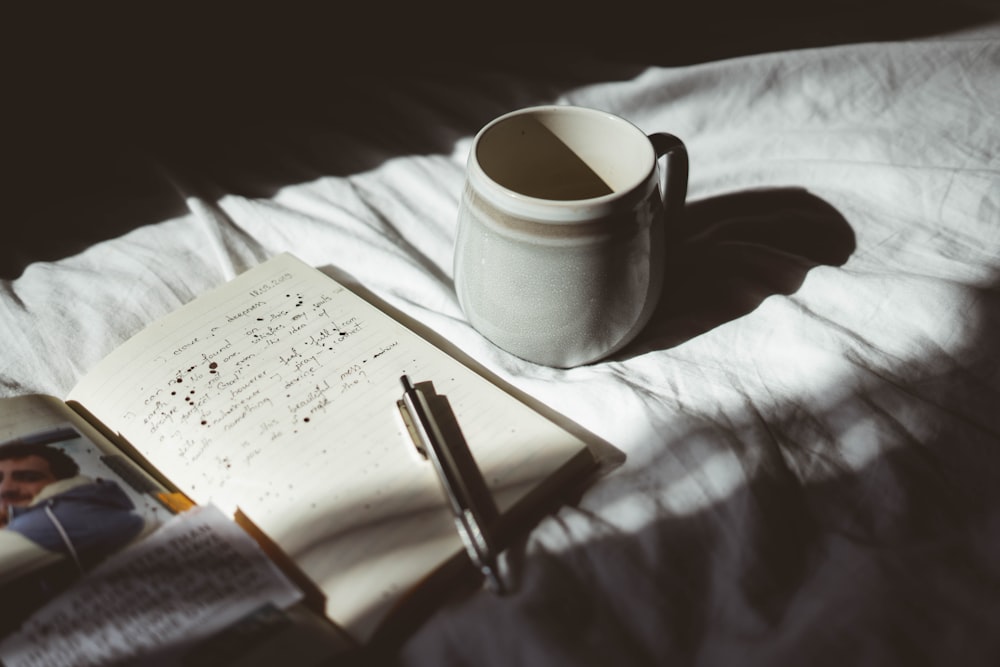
(729, 253)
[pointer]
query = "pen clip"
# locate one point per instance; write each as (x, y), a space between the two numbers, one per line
(411, 429)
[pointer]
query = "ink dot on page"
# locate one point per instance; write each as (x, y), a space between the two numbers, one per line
(213, 365)
(306, 419)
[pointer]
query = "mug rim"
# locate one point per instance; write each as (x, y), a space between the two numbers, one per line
(557, 211)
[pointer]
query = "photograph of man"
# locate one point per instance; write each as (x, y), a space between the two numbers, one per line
(44, 498)
(55, 523)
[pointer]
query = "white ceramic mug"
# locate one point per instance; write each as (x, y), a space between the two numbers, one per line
(561, 231)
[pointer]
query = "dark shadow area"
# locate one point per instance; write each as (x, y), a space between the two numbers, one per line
(97, 102)
(676, 33)
(731, 252)
(819, 558)
(461, 478)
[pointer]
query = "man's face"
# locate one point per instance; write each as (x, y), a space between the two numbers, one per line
(21, 480)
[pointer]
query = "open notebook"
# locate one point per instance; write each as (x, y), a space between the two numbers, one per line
(275, 394)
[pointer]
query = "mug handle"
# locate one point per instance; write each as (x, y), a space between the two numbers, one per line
(674, 178)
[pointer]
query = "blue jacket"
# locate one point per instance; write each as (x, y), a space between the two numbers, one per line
(87, 522)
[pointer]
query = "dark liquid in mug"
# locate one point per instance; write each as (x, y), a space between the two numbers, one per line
(542, 165)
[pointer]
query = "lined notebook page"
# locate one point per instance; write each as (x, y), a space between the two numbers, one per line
(276, 393)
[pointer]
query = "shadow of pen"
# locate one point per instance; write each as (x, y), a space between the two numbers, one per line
(460, 458)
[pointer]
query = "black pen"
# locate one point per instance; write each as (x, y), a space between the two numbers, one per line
(462, 491)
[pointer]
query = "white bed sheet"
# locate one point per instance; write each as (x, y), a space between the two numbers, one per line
(811, 421)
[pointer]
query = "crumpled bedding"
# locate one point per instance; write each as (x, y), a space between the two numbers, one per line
(810, 422)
